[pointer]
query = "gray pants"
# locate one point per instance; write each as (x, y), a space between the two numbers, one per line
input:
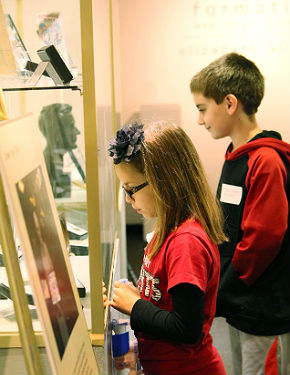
(249, 352)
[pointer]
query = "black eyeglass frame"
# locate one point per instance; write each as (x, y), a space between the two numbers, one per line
(134, 189)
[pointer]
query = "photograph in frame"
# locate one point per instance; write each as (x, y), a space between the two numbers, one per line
(35, 217)
(48, 255)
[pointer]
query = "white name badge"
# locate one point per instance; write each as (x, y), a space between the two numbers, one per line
(231, 194)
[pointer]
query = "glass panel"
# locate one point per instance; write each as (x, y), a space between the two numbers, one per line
(58, 110)
(106, 189)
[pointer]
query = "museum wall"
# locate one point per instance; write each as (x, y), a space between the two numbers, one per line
(164, 43)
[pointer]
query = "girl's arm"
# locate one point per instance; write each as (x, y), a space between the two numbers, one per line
(183, 324)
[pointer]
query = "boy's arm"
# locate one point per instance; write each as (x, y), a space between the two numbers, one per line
(265, 217)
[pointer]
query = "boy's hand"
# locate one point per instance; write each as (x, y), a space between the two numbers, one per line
(124, 297)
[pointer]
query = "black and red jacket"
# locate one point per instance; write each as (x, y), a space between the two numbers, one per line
(254, 191)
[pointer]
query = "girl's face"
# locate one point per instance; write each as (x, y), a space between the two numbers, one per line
(142, 201)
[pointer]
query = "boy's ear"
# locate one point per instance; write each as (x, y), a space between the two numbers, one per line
(231, 102)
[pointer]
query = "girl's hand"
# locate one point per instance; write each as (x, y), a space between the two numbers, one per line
(124, 297)
(105, 299)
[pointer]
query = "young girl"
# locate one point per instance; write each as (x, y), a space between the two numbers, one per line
(173, 307)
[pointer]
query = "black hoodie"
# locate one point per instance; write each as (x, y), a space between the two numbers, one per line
(254, 191)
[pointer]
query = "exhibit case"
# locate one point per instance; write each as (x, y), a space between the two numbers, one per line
(58, 68)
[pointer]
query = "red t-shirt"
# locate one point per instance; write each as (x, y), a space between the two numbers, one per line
(187, 256)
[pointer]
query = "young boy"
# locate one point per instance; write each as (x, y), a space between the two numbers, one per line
(253, 191)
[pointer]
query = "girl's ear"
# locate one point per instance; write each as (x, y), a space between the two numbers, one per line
(231, 102)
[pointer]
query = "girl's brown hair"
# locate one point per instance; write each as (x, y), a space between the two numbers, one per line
(173, 169)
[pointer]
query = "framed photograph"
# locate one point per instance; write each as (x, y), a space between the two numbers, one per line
(38, 227)
(51, 31)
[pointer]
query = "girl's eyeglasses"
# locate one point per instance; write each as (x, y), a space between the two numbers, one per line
(134, 189)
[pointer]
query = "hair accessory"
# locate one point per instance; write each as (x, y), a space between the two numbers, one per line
(127, 143)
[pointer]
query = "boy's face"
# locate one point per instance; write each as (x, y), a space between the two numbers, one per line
(214, 117)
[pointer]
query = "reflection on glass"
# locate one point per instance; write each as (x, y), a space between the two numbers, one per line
(58, 127)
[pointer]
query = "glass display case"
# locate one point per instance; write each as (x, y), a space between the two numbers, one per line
(75, 119)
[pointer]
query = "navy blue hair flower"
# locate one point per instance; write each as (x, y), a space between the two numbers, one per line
(127, 143)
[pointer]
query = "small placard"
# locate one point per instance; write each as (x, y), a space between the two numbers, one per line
(231, 194)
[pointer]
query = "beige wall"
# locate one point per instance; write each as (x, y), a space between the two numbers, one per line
(163, 43)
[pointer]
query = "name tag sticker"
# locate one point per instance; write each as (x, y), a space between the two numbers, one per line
(231, 194)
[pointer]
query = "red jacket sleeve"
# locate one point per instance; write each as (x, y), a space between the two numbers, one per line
(265, 216)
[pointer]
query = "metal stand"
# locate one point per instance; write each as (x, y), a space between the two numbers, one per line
(41, 68)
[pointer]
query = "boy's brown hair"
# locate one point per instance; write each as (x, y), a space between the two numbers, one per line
(231, 74)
